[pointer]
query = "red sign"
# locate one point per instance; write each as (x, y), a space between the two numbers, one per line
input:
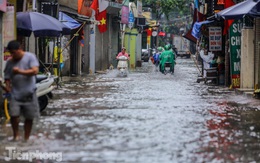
(3, 5)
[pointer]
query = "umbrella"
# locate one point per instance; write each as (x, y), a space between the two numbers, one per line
(237, 11)
(256, 10)
(41, 25)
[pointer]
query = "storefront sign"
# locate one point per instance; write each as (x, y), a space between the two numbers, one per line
(215, 39)
(235, 51)
(131, 20)
(3, 5)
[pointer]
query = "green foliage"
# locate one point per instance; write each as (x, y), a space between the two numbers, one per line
(166, 7)
(172, 14)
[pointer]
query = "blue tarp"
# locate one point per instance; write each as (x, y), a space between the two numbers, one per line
(196, 28)
(68, 21)
(237, 11)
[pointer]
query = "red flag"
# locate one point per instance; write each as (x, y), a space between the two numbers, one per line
(228, 23)
(100, 16)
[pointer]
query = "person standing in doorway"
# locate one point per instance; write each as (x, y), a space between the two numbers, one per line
(207, 58)
(19, 74)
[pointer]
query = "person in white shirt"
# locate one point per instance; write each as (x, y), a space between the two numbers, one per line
(207, 57)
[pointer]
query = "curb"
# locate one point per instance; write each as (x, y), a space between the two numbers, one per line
(245, 92)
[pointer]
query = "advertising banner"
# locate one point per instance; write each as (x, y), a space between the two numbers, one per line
(235, 52)
(215, 39)
(125, 15)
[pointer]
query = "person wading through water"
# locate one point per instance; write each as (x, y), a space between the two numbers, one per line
(19, 74)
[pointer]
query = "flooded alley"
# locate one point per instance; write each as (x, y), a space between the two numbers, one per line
(147, 117)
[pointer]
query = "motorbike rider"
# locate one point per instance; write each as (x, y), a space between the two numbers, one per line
(167, 56)
(156, 56)
(122, 53)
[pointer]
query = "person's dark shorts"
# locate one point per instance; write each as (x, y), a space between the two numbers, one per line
(28, 110)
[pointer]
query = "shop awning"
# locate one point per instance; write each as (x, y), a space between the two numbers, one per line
(237, 11)
(190, 37)
(68, 21)
(196, 28)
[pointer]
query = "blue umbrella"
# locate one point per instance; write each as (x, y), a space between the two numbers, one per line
(256, 10)
(41, 25)
(237, 11)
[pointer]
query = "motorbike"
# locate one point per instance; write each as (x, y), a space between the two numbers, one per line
(44, 84)
(167, 68)
(122, 66)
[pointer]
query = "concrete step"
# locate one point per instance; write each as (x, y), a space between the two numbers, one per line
(245, 91)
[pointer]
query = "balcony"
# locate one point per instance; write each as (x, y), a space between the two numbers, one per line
(114, 7)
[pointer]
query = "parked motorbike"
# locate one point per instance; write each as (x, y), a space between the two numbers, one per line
(43, 92)
(122, 66)
(44, 84)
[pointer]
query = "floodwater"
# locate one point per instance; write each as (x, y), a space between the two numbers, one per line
(147, 117)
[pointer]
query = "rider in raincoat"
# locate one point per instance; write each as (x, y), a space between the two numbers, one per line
(167, 56)
(156, 56)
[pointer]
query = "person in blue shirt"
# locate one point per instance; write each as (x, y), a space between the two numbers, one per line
(156, 56)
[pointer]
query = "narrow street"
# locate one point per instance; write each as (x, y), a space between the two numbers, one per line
(147, 117)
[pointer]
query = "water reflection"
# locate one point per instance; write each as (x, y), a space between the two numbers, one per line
(233, 134)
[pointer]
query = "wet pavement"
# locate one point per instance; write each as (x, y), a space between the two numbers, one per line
(146, 117)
